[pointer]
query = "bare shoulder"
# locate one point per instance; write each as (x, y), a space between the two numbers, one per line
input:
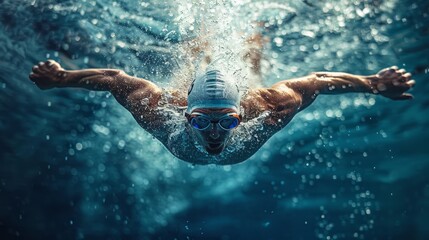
(148, 106)
(282, 102)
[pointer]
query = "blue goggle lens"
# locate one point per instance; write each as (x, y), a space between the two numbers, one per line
(229, 123)
(202, 123)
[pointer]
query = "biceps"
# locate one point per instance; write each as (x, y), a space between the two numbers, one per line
(142, 99)
(131, 91)
(303, 91)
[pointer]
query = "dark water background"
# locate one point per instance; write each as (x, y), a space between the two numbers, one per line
(75, 165)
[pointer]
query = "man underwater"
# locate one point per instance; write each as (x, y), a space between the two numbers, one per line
(220, 125)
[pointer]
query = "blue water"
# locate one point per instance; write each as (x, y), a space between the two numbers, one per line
(75, 165)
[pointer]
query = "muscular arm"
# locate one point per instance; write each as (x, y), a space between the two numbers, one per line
(390, 82)
(286, 98)
(139, 96)
(50, 74)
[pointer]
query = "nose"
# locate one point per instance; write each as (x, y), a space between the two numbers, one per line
(214, 132)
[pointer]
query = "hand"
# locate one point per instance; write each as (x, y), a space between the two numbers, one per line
(48, 75)
(392, 83)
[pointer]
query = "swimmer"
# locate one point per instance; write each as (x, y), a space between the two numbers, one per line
(219, 125)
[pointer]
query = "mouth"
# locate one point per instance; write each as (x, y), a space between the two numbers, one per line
(214, 145)
(214, 148)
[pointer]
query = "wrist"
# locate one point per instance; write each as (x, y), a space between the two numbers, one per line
(371, 83)
(68, 78)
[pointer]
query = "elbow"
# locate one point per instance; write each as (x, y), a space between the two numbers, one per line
(113, 73)
(314, 86)
(310, 90)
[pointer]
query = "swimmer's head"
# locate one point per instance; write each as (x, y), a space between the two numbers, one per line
(213, 90)
(213, 109)
(213, 127)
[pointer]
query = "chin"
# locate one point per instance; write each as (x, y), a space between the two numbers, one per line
(216, 150)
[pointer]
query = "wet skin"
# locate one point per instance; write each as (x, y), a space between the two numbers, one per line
(214, 138)
(282, 101)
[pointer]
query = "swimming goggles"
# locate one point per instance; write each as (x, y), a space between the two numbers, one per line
(201, 121)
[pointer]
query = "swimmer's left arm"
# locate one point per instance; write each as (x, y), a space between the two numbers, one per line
(390, 82)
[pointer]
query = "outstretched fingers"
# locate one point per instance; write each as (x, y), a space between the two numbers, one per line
(401, 78)
(52, 65)
(404, 96)
(394, 83)
(43, 67)
(47, 74)
(33, 76)
(405, 85)
(37, 72)
(50, 62)
(411, 83)
(36, 69)
(388, 72)
(406, 77)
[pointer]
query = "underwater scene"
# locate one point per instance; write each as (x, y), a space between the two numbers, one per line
(75, 164)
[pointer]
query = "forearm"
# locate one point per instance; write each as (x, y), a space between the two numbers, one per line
(309, 87)
(389, 82)
(100, 79)
(128, 90)
(337, 83)
(92, 79)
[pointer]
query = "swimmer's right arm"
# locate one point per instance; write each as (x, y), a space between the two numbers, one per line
(125, 88)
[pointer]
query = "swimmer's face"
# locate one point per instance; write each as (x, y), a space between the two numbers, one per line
(213, 127)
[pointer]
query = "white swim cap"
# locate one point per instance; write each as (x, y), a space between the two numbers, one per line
(213, 90)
